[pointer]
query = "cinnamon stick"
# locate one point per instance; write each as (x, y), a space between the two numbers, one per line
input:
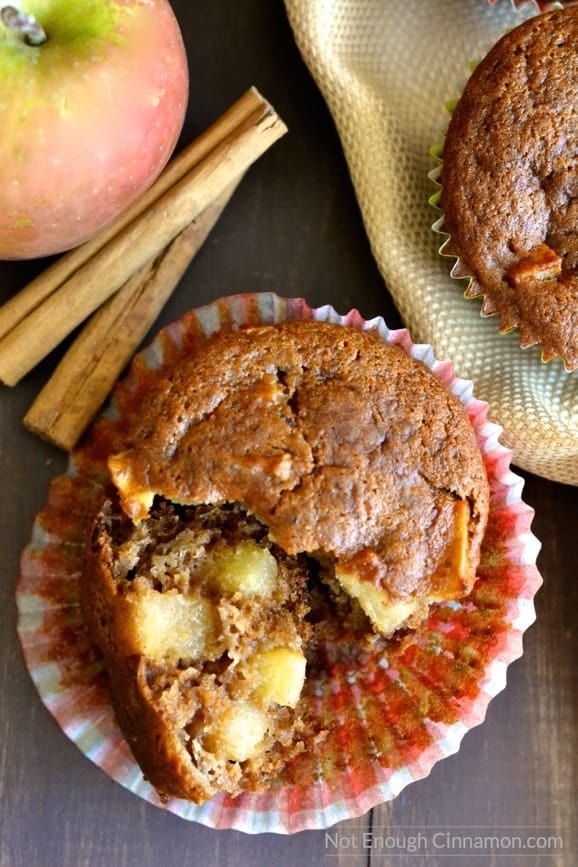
(18, 307)
(135, 244)
(86, 374)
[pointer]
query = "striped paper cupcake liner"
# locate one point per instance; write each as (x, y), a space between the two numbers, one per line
(392, 714)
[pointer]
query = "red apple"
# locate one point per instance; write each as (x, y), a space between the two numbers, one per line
(88, 118)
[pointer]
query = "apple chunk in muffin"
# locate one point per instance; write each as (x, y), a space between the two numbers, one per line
(364, 578)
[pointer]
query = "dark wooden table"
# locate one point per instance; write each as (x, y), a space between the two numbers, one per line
(293, 227)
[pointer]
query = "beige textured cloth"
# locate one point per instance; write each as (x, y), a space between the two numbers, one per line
(386, 69)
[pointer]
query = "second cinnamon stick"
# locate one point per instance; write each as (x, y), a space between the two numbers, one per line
(85, 375)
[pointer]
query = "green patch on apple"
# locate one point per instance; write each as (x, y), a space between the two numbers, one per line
(58, 22)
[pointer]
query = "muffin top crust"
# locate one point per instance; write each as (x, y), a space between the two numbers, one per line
(509, 182)
(343, 446)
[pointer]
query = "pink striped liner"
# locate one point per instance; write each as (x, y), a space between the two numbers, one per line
(72, 686)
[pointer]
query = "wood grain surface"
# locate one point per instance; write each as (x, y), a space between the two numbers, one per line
(292, 227)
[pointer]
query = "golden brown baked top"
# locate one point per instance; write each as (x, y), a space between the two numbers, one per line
(344, 447)
(510, 182)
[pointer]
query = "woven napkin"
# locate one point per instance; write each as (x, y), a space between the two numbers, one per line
(387, 69)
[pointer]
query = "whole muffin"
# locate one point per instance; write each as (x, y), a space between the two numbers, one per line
(509, 181)
(274, 465)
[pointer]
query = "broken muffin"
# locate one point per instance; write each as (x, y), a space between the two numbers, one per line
(274, 456)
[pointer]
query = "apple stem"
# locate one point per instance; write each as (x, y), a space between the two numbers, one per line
(26, 25)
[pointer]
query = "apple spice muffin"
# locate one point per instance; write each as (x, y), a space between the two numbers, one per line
(509, 183)
(272, 458)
